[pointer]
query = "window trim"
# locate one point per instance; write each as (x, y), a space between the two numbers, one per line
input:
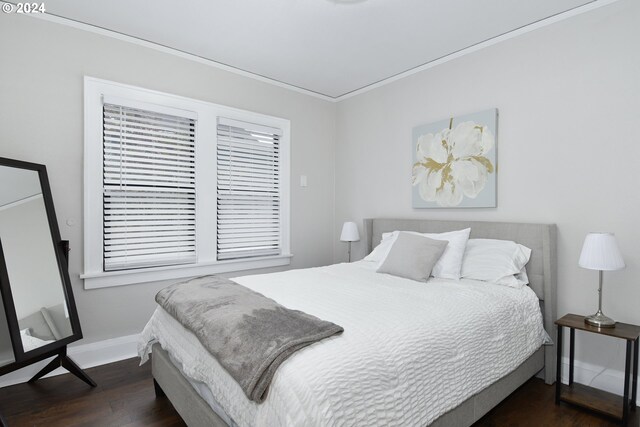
(206, 130)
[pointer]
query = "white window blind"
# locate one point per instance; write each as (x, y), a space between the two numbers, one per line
(248, 190)
(149, 188)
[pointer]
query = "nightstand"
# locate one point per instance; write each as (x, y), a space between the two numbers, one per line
(589, 397)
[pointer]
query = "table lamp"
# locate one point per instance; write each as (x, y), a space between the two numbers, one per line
(600, 252)
(349, 234)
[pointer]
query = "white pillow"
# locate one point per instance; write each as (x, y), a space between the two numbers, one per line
(379, 253)
(496, 261)
(515, 280)
(29, 342)
(447, 267)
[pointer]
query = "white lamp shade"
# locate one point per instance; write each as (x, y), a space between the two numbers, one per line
(600, 252)
(349, 232)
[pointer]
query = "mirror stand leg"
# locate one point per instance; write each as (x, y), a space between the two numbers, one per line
(63, 360)
(55, 363)
(76, 370)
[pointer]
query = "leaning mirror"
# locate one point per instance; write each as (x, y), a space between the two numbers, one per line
(30, 258)
(40, 316)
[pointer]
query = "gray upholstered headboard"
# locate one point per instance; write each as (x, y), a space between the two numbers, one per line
(541, 269)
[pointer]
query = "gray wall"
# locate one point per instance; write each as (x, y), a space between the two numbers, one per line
(41, 110)
(568, 147)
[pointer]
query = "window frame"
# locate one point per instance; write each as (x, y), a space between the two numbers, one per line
(206, 130)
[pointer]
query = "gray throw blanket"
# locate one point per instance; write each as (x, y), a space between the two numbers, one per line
(249, 334)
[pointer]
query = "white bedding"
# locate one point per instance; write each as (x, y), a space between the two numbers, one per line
(410, 351)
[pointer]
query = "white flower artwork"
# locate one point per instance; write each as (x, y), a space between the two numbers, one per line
(454, 162)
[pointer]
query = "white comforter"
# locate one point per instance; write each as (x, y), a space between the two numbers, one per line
(410, 351)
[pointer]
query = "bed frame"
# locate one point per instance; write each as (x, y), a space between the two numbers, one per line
(541, 269)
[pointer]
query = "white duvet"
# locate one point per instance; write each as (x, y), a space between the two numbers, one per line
(409, 353)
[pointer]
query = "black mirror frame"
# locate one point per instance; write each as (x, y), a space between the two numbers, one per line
(23, 358)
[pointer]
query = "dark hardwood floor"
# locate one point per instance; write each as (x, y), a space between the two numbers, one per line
(125, 397)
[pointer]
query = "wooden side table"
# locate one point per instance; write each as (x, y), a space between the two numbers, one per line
(589, 397)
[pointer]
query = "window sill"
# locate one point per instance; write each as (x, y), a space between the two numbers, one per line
(120, 278)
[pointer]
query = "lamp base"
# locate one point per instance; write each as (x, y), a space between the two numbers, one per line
(599, 320)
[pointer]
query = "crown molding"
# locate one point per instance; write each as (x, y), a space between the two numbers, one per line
(172, 51)
(595, 4)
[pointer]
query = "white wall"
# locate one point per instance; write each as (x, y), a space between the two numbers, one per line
(568, 148)
(41, 110)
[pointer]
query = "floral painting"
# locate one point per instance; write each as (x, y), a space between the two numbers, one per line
(454, 162)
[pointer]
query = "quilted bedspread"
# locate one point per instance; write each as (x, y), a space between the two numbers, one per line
(409, 353)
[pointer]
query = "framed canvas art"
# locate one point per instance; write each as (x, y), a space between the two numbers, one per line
(454, 162)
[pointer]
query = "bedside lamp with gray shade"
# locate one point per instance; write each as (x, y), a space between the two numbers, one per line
(349, 234)
(600, 252)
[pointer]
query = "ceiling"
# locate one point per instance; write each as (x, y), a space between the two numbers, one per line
(330, 47)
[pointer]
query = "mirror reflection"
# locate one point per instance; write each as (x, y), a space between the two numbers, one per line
(34, 278)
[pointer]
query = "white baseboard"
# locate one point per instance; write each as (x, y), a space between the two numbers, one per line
(599, 377)
(85, 355)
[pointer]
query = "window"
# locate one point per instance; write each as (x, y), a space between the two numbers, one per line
(149, 213)
(176, 187)
(248, 210)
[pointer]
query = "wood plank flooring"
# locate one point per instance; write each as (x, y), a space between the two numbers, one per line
(125, 397)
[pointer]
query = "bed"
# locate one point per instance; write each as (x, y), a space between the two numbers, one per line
(204, 397)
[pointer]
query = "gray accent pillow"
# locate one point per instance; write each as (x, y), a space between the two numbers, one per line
(50, 322)
(57, 320)
(413, 256)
